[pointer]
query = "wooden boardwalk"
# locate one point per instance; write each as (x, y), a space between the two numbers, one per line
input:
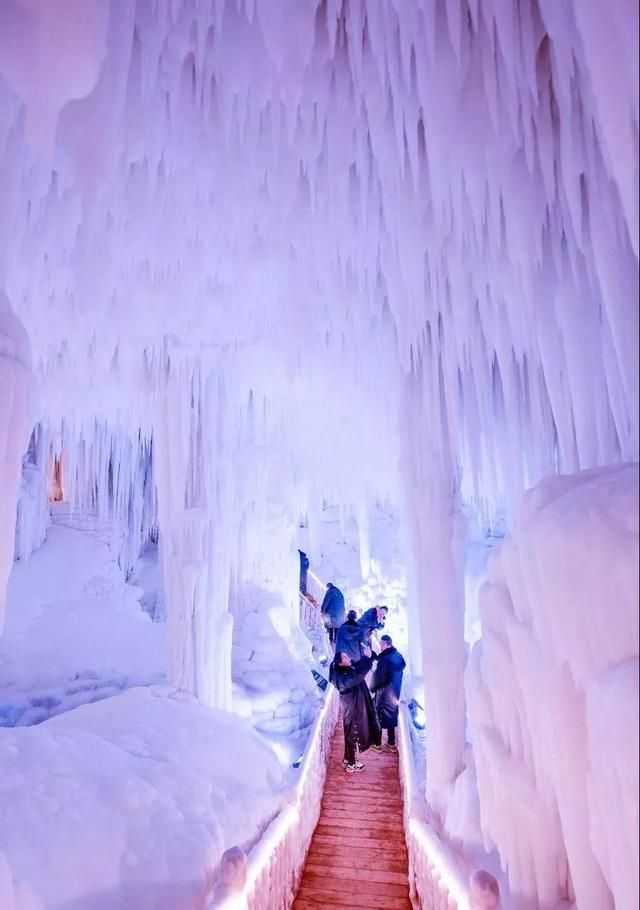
(358, 854)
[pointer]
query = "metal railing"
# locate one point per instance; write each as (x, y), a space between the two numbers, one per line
(439, 878)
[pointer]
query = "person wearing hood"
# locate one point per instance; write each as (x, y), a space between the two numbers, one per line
(360, 721)
(351, 637)
(386, 687)
(332, 610)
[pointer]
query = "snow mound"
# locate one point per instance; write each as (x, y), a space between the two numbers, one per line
(129, 803)
(75, 631)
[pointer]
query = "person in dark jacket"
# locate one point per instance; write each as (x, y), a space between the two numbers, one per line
(372, 619)
(332, 610)
(359, 718)
(351, 637)
(304, 568)
(386, 687)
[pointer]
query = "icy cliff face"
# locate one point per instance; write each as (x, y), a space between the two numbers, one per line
(553, 693)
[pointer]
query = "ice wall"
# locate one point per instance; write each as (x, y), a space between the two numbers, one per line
(553, 694)
(15, 425)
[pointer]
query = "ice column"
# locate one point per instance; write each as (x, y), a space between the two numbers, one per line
(15, 424)
(436, 539)
(195, 496)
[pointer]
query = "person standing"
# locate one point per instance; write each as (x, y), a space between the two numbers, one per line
(360, 721)
(351, 637)
(332, 611)
(304, 568)
(371, 620)
(386, 687)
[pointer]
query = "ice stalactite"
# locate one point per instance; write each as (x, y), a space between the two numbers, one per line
(33, 516)
(64, 59)
(101, 474)
(364, 537)
(16, 403)
(402, 165)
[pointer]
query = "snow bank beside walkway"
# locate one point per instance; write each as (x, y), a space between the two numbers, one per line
(129, 803)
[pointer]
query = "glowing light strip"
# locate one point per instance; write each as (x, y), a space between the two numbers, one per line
(421, 837)
(261, 855)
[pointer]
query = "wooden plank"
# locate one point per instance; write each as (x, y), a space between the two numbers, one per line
(316, 903)
(362, 900)
(341, 801)
(347, 820)
(360, 784)
(320, 853)
(362, 837)
(314, 866)
(337, 839)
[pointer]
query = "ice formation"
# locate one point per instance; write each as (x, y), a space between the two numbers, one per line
(553, 693)
(272, 251)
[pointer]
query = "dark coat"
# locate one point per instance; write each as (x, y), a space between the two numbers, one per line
(350, 637)
(332, 608)
(369, 621)
(386, 686)
(361, 724)
(304, 567)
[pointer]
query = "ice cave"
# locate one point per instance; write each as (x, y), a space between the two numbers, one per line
(310, 308)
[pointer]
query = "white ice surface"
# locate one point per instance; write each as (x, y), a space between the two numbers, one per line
(553, 694)
(129, 803)
(75, 631)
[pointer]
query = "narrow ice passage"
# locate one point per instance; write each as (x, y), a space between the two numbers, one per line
(352, 277)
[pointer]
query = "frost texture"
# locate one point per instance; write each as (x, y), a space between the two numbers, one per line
(553, 693)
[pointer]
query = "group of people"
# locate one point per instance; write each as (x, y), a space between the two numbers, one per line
(367, 710)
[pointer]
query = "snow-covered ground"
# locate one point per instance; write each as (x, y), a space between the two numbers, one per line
(75, 631)
(128, 804)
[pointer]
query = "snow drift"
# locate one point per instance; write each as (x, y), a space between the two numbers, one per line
(129, 803)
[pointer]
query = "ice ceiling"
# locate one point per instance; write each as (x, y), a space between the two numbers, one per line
(316, 193)
(341, 233)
